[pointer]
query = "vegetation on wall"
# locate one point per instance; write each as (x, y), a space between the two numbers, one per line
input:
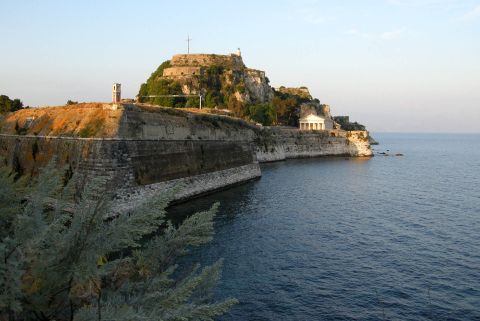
(221, 88)
(20, 130)
(92, 128)
(345, 124)
(158, 86)
(264, 114)
(60, 259)
(218, 89)
(211, 83)
(9, 105)
(287, 107)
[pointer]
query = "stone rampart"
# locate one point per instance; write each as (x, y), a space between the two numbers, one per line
(157, 148)
(133, 166)
(277, 143)
(179, 72)
(205, 60)
(147, 122)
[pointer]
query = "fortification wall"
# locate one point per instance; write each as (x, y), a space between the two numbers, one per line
(204, 60)
(298, 91)
(147, 122)
(276, 143)
(179, 72)
(28, 154)
(136, 167)
(156, 148)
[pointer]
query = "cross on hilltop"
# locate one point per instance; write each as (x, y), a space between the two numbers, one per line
(188, 43)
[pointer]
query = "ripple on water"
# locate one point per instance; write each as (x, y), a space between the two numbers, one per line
(337, 239)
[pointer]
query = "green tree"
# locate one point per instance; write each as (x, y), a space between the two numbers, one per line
(345, 123)
(262, 113)
(61, 258)
(9, 105)
(71, 102)
(236, 106)
(156, 86)
(212, 81)
(193, 102)
(287, 109)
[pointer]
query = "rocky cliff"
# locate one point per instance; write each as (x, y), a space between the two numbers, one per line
(280, 143)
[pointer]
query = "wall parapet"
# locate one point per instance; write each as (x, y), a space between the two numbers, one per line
(205, 60)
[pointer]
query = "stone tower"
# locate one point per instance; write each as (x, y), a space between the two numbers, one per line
(116, 93)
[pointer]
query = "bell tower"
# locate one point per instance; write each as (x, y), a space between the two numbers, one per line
(116, 93)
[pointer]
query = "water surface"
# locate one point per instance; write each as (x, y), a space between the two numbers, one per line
(387, 238)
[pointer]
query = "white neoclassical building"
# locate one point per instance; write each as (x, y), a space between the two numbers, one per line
(312, 122)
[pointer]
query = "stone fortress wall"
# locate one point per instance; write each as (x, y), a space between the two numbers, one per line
(281, 143)
(173, 72)
(186, 68)
(231, 61)
(157, 148)
(188, 65)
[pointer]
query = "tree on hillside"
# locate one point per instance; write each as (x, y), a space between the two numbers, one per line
(71, 102)
(262, 113)
(61, 259)
(287, 110)
(8, 105)
(236, 106)
(156, 86)
(287, 106)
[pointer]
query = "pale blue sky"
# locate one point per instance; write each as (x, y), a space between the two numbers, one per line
(394, 65)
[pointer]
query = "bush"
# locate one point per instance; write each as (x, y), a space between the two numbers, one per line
(92, 128)
(262, 113)
(60, 259)
(20, 130)
(155, 85)
(9, 105)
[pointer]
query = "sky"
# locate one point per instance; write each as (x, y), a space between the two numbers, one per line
(393, 65)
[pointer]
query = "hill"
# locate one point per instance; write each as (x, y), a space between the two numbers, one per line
(223, 80)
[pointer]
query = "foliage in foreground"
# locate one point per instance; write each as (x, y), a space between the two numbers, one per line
(61, 260)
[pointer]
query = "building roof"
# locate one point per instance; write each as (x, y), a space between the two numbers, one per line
(312, 118)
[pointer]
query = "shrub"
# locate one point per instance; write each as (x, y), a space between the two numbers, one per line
(262, 113)
(9, 105)
(60, 259)
(92, 128)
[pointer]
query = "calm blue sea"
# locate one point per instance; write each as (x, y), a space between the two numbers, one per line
(386, 238)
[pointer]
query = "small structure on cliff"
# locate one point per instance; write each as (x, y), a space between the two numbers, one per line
(116, 93)
(315, 116)
(312, 122)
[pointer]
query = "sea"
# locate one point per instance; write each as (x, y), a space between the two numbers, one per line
(392, 237)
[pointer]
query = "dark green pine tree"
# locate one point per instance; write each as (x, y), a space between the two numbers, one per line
(61, 259)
